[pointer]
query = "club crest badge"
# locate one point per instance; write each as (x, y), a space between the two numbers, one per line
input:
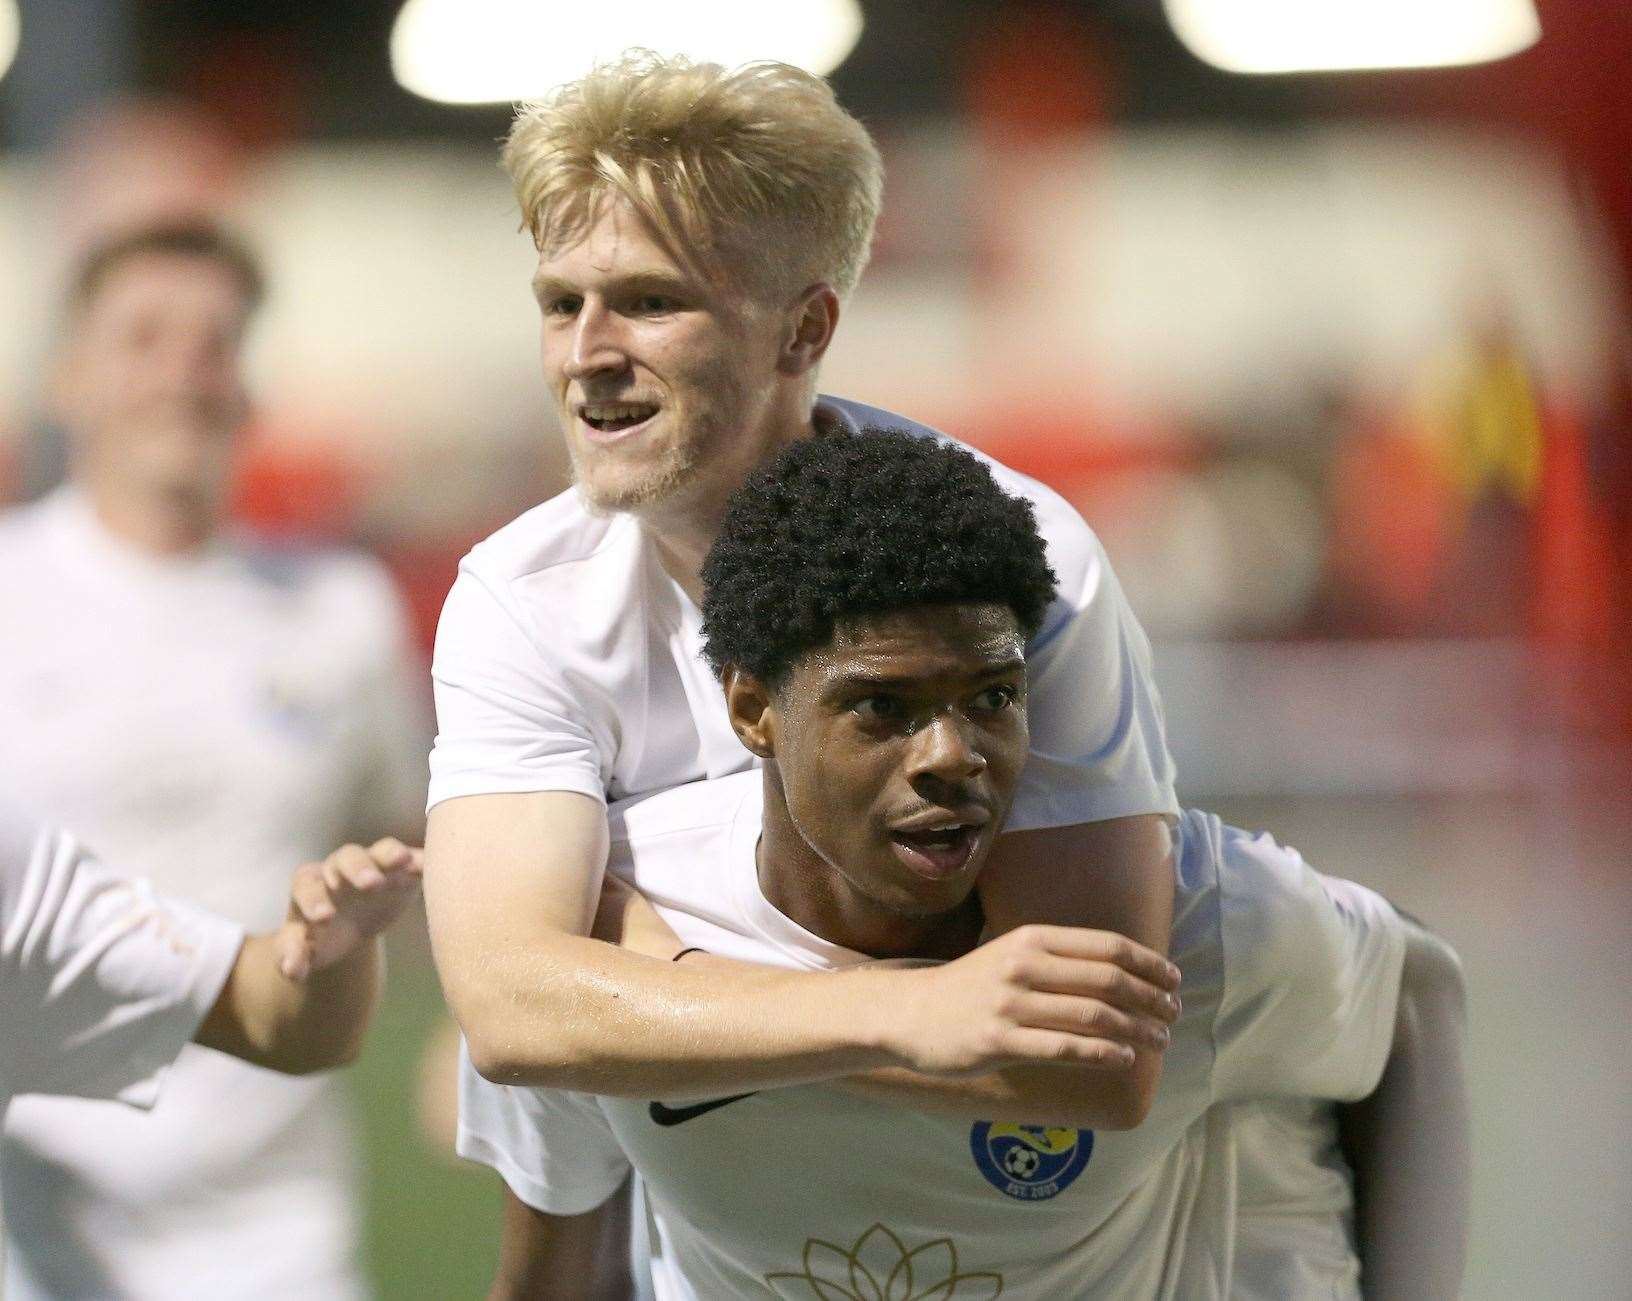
(1030, 1163)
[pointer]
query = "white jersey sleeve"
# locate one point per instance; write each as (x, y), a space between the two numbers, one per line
(1312, 978)
(507, 719)
(1098, 735)
(553, 1148)
(102, 981)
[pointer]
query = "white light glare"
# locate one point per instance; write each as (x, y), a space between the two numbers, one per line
(1331, 35)
(501, 51)
(8, 34)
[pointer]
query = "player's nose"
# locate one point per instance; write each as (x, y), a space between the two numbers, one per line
(596, 345)
(944, 750)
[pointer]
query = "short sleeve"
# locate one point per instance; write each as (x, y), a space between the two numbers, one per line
(1098, 736)
(1312, 978)
(554, 1148)
(102, 981)
(508, 721)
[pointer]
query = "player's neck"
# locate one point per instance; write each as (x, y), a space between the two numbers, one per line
(153, 523)
(681, 549)
(683, 527)
(805, 888)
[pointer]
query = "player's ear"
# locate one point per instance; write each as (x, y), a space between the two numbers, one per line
(811, 324)
(748, 704)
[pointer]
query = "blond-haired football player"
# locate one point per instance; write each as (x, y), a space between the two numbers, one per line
(698, 231)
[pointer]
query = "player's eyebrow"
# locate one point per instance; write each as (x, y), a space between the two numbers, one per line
(546, 287)
(846, 684)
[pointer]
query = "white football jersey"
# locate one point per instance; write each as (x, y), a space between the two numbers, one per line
(1290, 987)
(208, 721)
(567, 659)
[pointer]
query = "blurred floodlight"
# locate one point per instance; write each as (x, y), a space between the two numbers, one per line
(8, 34)
(1331, 35)
(501, 51)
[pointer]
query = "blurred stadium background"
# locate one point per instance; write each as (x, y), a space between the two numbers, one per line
(1336, 363)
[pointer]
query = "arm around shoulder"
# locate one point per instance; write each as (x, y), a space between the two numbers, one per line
(511, 884)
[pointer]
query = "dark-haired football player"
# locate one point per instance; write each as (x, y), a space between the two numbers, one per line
(867, 606)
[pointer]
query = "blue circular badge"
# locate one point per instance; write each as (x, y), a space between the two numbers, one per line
(1030, 1162)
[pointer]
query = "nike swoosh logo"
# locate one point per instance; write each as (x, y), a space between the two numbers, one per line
(667, 1116)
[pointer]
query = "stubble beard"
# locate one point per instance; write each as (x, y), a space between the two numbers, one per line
(609, 494)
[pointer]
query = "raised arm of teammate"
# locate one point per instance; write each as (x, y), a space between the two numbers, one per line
(300, 998)
(103, 980)
(540, 1003)
(1409, 1143)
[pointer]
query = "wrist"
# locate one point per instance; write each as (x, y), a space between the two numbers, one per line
(873, 1011)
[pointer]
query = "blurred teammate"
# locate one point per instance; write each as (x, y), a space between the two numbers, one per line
(698, 232)
(868, 601)
(206, 713)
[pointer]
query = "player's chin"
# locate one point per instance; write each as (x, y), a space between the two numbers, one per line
(910, 894)
(610, 484)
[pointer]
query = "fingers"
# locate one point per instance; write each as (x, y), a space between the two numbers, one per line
(387, 862)
(1089, 1018)
(392, 856)
(354, 866)
(1100, 981)
(310, 893)
(1025, 1044)
(292, 950)
(1104, 946)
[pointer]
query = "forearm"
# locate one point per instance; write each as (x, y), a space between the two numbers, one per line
(1409, 1142)
(295, 1026)
(576, 1013)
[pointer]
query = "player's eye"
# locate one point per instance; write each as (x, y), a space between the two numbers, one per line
(878, 709)
(654, 304)
(996, 698)
(562, 305)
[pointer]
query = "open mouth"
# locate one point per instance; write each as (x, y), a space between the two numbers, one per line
(615, 417)
(937, 853)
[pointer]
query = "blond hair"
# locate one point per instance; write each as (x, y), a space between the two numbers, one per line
(756, 172)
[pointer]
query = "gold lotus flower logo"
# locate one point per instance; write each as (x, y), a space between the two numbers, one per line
(880, 1268)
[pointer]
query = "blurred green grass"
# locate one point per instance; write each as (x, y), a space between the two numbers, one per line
(431, 1226)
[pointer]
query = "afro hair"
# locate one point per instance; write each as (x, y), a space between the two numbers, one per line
(844, 525)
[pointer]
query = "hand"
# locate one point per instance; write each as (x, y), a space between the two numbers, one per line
(1037, 994)
(350, 897)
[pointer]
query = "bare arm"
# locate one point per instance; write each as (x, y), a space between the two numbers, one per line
(546, 1257)
(1104, 1096)
(300, 999)
(1409, 1142)
(512, 883)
